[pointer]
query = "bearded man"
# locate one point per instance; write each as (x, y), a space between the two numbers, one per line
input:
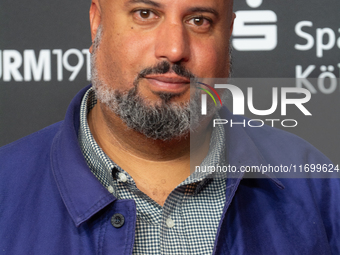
(114, 177)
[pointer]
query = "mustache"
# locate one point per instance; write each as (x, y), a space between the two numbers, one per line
(165, 67)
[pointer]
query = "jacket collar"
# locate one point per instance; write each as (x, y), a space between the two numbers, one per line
(80, 190)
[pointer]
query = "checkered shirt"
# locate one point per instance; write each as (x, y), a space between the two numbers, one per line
(188, 221)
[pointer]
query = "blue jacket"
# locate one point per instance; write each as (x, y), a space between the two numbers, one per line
(51, 203)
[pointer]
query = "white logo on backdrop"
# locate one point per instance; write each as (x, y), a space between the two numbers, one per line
(255, 30)
(31, 65)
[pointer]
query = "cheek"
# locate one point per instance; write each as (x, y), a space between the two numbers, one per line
(131, 51)
(123, 56)
(137, 51)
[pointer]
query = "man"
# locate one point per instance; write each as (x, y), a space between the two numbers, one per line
(114, 176)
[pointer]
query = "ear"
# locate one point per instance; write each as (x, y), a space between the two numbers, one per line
(95, 19)
(232, 23)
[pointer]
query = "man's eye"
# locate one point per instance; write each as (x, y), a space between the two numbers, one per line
(145, 14)
(200, 21)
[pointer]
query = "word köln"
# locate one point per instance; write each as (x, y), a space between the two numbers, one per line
(326, 83)
(39, 68)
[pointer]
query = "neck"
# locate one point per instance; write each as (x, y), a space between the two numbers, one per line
(156, 166)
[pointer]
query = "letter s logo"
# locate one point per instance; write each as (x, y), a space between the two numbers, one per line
(250, 34)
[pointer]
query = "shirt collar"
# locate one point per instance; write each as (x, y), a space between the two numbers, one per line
(100, 164)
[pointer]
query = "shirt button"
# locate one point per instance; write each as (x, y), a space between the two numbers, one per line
(170, 223)
(122, 177)
(117, 220)
(110, 189)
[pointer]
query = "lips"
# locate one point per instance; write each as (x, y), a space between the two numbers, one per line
(168, 83)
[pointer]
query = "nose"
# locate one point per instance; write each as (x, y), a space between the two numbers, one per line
(172, 43)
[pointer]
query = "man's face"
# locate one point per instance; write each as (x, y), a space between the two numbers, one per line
(140, 34)
(145, 53)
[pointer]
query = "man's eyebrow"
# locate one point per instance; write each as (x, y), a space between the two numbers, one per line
(205, 9)
(149, 2)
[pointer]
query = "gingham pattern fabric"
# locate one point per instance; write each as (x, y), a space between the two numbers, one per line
(188, 221)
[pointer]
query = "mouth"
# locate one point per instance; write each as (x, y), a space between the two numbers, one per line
(168, 83)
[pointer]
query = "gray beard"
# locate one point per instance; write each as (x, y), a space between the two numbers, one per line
(164, 121)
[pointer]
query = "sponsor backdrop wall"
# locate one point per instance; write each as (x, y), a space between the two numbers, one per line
(44, 60)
